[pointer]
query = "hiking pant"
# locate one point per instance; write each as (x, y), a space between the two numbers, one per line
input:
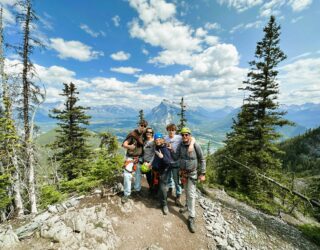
(163, 187)
(174, 180)
(127, 178)
(191, 195)
(149, 178)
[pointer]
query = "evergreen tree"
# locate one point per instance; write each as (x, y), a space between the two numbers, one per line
(141, 116)
(253, 138)
(183, 120)
(71, 148)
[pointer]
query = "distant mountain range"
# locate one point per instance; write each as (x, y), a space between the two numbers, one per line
(205, 124)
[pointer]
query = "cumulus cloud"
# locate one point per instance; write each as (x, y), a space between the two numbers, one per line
(213, 67)
(120, 56)
(300, 81)
(74, 49)
(126, 70)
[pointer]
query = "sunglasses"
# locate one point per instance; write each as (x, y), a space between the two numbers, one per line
(149, 132)
(185, 135)
(143, 126)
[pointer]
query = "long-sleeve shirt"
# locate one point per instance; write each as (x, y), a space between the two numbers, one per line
(148, 151)
(162, 164)
(190, 161)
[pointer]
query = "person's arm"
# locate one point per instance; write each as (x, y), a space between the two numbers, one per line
(127, 146)
(191, 145)
(176, 154)
(201, 161)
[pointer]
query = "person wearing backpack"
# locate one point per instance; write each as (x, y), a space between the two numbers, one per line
(161, 164)
(133, 143)
(192, 168)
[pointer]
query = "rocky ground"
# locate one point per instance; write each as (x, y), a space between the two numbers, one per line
(93, 222)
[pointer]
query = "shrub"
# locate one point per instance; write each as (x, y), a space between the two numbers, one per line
(49, 195)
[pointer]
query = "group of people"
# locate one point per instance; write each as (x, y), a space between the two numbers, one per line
(169, 162)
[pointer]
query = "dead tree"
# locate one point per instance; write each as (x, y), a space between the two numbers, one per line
(31, 94)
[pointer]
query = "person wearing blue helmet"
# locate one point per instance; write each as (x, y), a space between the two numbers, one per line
(161, 164)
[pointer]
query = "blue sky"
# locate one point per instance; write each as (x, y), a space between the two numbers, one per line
(138, 52)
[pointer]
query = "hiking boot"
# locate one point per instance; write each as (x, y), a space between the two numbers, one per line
(178, 201)
(137, 194)
(165, 209)
(124, 199)
(183, 209)
(191, 225)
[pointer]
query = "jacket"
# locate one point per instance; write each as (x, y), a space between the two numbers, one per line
(190, 161)
(162, 164)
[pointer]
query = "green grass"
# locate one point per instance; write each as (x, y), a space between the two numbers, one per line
(311, 232)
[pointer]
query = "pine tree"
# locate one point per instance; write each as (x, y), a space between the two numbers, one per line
(141, 116)
(264, 88)
(253, 139)
(183, 120)
(71, 149)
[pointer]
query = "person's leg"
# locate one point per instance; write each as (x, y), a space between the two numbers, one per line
(191, 203)
(149, 179)
(163, 188)
(176, 178)
(137, 181)
(170, 182)
(126, 186)
(191, 197)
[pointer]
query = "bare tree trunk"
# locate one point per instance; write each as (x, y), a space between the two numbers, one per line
(26, 111)
(17, 187)
(31, 180)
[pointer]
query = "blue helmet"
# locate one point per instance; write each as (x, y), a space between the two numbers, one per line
(158, 136)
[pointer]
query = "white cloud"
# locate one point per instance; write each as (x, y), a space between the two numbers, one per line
(116, 21)
(120, 56)
(295, 20)
(153, 10)
(213, 67)
(300, 81)
(241, 5)
(168, 35)
(74, 49)
(145, 51)
(299, 5)
(267, 7)
(212, 26)
(126, 70)
(8, 17)
(241, 26)
(89, 31)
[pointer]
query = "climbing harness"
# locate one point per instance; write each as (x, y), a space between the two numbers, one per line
(130, 164)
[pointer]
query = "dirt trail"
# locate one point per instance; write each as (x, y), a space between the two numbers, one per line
(144, 226)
